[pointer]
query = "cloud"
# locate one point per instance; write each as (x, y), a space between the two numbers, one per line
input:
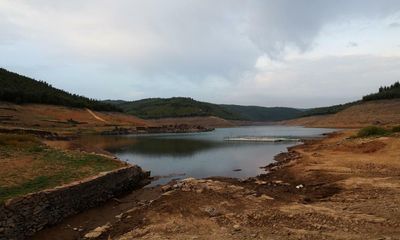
(310, 82)
(169, 48)
(394, 25)
(352, 44)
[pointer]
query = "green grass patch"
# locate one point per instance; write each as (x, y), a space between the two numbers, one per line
(373, 131)
(48, 168)
(34, 185)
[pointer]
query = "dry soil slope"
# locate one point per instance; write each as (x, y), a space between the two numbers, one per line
(382, 112)
(51, 116)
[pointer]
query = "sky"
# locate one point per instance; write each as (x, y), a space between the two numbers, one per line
(302, 53)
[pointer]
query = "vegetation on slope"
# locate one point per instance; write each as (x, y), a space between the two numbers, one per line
(155, 108)
(372, 131)
(327, 110)
(375, 131)
(256, 113)
(387, 92)
(20, 89)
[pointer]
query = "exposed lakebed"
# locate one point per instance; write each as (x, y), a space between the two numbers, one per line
(207, 154)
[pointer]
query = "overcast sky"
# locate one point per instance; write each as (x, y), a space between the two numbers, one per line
(298, 53)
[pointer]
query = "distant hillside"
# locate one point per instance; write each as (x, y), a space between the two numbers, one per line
(365, 113)
(20, 89)
(390, 92)
(157, 108)
(256, 113)
(381, 108)
(327, 110)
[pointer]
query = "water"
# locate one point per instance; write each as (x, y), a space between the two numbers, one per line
(206, 154)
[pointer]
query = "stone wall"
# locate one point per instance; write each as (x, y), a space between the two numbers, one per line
(23, 216)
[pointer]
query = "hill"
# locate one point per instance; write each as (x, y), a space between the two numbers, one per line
(327, 110)
(381, 108)
(256, 113)
(155, 108)
(380, 112)
(178, 107)
(20, 89)
(389, 92)
(62, 119)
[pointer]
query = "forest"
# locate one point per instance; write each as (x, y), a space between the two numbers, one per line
(20, 89)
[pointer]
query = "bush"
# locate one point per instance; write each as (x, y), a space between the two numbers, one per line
(396, 129)
(372, 131)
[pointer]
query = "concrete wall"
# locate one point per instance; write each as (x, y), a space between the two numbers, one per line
(23, 216)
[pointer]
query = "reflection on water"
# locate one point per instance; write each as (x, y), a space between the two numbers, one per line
(203, 154)
(159, 147)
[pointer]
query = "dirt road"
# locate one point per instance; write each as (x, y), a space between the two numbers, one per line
(335, 188)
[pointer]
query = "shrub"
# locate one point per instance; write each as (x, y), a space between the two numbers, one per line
(372, 131)
(396, 129)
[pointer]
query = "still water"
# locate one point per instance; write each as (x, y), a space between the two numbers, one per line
(199, 155)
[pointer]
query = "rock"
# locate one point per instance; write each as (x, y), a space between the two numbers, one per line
(254, 235)
(237, 170)
(259, 182)
(236, 227)
(169, 192)
(166, 188)
(212, 212)
(299, 186)
(97, 232)
(266, 197)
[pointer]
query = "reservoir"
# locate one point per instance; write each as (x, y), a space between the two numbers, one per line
(229, 152)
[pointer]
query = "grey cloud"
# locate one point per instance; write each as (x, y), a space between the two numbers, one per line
(352, 44)
(179, 43)
(394, 25)
(196, 37)
(274, 25)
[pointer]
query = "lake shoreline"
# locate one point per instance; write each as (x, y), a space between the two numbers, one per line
(300, 197)
(146, 195)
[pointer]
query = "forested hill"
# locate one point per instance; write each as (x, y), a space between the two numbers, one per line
(154, 108)
(20, 89)
(388, 92)
(257, 113)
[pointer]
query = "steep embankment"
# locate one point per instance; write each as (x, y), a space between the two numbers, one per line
(382, 112)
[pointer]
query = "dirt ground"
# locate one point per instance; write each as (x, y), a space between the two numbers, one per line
(334, 188)
(63, 120)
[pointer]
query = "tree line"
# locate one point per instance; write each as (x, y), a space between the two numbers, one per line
(385, 92)
(20, 89)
